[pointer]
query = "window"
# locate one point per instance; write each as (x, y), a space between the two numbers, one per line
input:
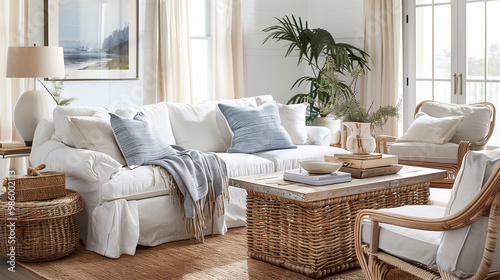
(200, 49)
(452, 53)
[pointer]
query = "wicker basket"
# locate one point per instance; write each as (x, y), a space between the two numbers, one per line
(43, 230)
(48, 185)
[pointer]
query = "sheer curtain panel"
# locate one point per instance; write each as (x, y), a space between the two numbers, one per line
(13, 32)
(172, 49)
(382, 85)
(229, 50)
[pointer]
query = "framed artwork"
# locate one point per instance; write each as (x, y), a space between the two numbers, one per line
(99, 37)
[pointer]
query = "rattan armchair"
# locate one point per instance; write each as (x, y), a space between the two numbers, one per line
(376, 261)
(384, 143)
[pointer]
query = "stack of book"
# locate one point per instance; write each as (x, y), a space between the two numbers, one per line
(365, 166)
(12, 144)
(300, 176)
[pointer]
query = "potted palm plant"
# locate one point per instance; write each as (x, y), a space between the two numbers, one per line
(325, 84)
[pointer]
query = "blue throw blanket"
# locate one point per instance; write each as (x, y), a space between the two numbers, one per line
(200, 184)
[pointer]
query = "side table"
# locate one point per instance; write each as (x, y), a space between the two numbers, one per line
(40, 230)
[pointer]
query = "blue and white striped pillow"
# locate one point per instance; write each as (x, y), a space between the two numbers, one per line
(256, 129)
(138, 139)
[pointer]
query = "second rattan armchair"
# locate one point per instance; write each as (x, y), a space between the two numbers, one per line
(472, 134)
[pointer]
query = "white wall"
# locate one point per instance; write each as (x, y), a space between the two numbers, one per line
(109, 92)
(268, 71)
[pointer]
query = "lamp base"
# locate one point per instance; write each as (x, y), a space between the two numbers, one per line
(31, 107)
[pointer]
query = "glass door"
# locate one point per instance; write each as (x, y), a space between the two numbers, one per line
(431, 71)
(480, 63)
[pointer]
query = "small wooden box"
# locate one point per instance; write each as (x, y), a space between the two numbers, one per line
(49, 185)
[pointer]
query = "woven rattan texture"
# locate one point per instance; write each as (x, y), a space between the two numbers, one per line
(316, 238)
(44, 230)
(48, 186)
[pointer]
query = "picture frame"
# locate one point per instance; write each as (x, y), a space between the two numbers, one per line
(99, 37)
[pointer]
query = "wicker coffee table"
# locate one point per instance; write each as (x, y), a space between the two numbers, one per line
(309, 229)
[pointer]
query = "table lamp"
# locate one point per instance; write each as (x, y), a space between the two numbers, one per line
(34, 105)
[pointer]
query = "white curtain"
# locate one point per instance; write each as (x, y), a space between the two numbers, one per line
(172, 49)
(382, 37)
(228, 54)
(14, 26)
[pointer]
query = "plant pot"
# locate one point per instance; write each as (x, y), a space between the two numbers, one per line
(360, 141)
(332, 124)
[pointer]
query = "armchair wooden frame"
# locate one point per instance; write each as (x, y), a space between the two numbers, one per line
(383, 141)
(376, 264)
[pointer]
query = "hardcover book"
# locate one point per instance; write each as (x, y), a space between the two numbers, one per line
(355, 156)
(372, 172)
(365, 163)
(296, 175)
(12, 144)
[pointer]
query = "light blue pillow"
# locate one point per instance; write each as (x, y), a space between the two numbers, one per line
(256, 129)
(138, 139)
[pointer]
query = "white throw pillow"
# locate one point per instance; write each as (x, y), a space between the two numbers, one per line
(95, 133)
(195, 127)
(61, 123)
(293, 120)
(475, 125)
(429, 129)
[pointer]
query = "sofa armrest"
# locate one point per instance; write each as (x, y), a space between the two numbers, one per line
(76, 163)
(319, 135)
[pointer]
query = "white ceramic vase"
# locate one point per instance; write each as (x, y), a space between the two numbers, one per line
(332, 124)
(360, 141)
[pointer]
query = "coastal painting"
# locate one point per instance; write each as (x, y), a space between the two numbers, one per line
(99, 37)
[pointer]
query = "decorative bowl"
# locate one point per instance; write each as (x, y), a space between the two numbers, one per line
(320, 167)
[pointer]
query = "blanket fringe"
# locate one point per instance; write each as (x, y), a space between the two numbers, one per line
(203, 209)
(174, 191)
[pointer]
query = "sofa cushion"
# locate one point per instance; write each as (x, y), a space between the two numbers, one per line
(138, 183)
(95, 133)
(158, 113)
(415, 151)
(256, 129)
(245, 164)
(138, 139)
(289, 158)
(476, 121)
(61, 123)
(461, 250)
(429, 129)
(224, 129)
(293, 120)
(195, 127)
(407, 243)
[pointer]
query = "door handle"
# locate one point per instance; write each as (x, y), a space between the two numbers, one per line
(455, 84)
(461, 84)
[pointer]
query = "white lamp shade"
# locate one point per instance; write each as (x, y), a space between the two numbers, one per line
(35, 62)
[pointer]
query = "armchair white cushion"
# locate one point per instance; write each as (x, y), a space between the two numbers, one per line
(429, 152)
(429, 129)
(476, 123)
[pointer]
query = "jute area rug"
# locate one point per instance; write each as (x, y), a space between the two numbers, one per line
(220, 257)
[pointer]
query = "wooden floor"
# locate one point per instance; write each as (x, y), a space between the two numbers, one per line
(20, 272)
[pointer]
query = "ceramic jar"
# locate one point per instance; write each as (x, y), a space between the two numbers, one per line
(361, 140)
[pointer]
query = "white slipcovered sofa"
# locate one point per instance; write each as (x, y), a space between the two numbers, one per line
(124, 206)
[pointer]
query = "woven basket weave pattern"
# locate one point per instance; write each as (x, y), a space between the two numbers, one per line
(45, 230)
(48, 186)
(316, 238)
